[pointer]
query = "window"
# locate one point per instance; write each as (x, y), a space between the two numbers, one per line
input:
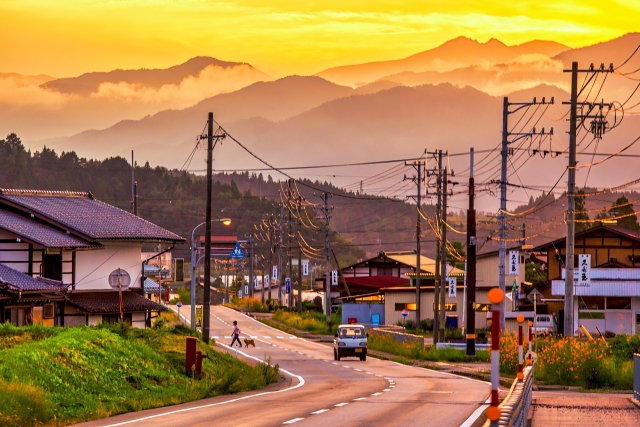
(618, 303)
(52, 266)
(48, 311)
(451, 307)
(545, 319)
(591, 303)
(411, 306)
(351, 332)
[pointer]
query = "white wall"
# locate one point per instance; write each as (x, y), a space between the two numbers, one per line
(93, 267)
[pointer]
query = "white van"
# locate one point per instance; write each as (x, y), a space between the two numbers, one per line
(545, 324)
(350, 341)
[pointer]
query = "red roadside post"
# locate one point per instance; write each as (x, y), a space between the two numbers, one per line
(190, 356)
(520, 322)
(495, 298)
(530, 353)
(198, 362)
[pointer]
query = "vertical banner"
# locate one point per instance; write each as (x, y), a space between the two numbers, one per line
(274, 274)
(452, 282)
(287, 285)
(334, 277)
(246, 289)
(514, 263)
(305, 268)
(255, 283)
(199, 317)
(584, 270)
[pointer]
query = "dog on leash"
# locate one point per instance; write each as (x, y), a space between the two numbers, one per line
(249, 341)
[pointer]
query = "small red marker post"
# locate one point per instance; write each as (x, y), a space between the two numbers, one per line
(495, 298)
(520, 375)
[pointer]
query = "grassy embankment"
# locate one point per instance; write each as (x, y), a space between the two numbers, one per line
(57, 376)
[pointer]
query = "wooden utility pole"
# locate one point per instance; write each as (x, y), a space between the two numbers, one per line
(443, 257)
(471, 266)
(206, 307)
(436, 291)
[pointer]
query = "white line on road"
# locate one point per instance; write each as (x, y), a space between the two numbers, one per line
(387, 389)
(295, 420)
(360, 398)
(370, 373)
(279, 338)
(319, 412)
(376, 394)
(266, 337)
(359, 370)
(438, 392)
(342, 404)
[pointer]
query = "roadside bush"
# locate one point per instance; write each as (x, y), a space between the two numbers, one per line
(426, 325)
(623, 346)
(251, 303)
(417, 350)
(309, 321)
(23, 404)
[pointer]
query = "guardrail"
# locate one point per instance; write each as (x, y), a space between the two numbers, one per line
(515, 407)
(636, 377)
(398, 335)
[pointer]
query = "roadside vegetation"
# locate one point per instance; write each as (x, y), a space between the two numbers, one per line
(61, 376)
(309, 321)
(417, 351)
(594, 364)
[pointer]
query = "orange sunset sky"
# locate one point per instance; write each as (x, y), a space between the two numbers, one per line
(69, 37)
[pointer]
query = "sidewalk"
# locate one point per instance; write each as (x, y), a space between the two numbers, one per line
(573, 409)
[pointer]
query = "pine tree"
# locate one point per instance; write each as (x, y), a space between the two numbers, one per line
(581, 213)
(625, 214)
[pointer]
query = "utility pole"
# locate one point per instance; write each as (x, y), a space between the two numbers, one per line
(251, 278)
(271, 249)
(206, 306)
(133, 180)
(417, 179)
(505, 152)
(436, 290)
(471, 265)
(280, 256)
(135, 198)
(289, 246)
(326, 210)
(443, 256)
(300, 257)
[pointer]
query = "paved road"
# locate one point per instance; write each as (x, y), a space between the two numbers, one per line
(320, 391)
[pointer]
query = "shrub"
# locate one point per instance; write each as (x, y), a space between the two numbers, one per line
(426, 325)
(417, 351)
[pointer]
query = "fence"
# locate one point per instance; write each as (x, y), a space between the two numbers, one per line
(515, 407)
(636, 377)
(399, 335)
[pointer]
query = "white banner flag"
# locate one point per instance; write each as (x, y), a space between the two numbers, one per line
(514, 263)
(305, 268)
(584, 270)
(334, 277)
(274, 276)
(453, 282)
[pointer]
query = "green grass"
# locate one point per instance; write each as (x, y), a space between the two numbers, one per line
(309, 321)
(63, 376)
(417, 351)
(277, 325)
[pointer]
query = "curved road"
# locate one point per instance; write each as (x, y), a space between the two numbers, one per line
(319, 390)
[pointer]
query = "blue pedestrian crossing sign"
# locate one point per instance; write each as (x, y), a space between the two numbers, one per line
(237, 252)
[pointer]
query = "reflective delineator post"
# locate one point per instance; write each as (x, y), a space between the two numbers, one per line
(529, 360)
(496, 296)
(520, 319)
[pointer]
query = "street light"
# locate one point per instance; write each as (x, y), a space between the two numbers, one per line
(194, 264)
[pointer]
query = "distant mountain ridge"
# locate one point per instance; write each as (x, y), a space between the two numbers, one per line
(88, 83)
(457, 53)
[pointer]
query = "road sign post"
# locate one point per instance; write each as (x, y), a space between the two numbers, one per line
(120, 280)
(179, 305)
(405, 313)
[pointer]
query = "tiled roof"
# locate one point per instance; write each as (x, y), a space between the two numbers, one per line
(17, 281)
(107, 302)
(615, 229)
(152, 287)
(38, 232)
(85, 215)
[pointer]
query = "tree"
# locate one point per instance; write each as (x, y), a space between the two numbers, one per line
(581, 213)
(625, 214)
(453, 259)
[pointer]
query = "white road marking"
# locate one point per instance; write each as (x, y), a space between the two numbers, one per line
(301, 382)
(387, 389)
(439, 392)
(359, 370)
(342, 404)
(376, 394)
(391, 386)
(378, 375)
(370, 373)
(215, 338)
(293, 337)
(295, 420)
(266, 337)
(279, 338)
(227, 337)
(333, 363)
(319, 412)
(476, 414)
(360, 398)
(345, 366)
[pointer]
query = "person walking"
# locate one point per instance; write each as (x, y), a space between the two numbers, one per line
(236, 334)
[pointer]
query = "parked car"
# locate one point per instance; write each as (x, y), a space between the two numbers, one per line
(545, 324)
(350, 341)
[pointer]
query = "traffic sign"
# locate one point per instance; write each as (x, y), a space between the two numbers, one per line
(287, 285)
(179, 304)
(534, 295)
(532, 354)
(237, 252)
(119, 280)
(405, 312)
